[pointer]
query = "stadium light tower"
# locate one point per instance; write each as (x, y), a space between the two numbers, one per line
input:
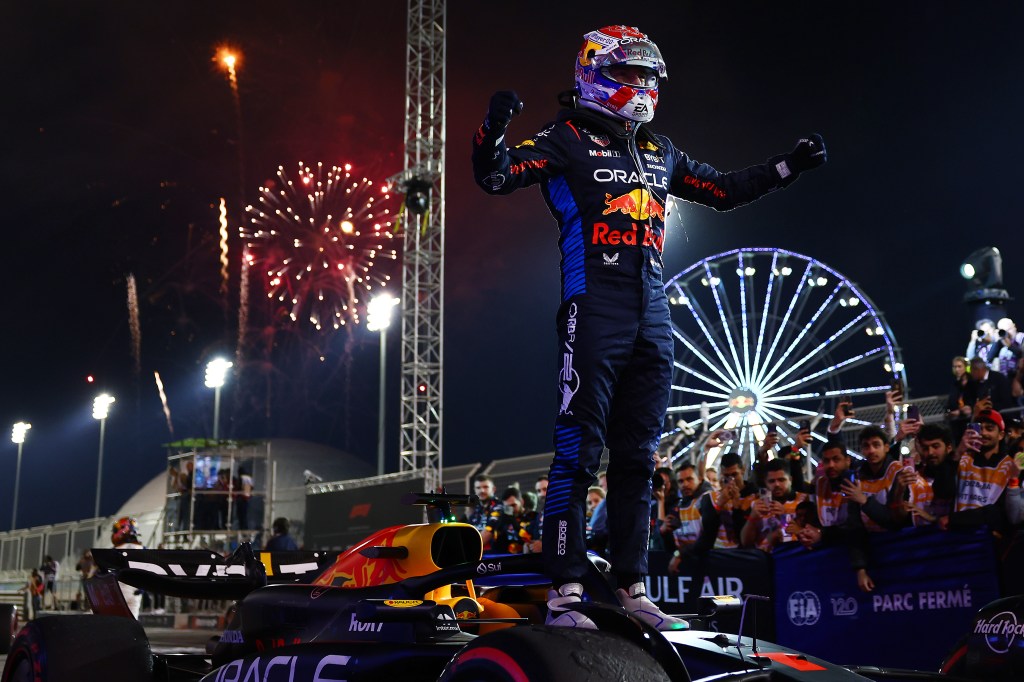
(216, 373)
(100, 407)
(983, 271)
(378, 318)
(18, 437)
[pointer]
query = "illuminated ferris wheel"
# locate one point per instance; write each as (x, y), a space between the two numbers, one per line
(767, 337)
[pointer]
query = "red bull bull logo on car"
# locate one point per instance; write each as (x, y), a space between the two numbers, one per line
(638, 204)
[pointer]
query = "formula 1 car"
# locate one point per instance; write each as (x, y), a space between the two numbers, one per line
(417, 602)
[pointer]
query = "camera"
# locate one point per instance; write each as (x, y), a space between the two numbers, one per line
(1002, 333)
(979, 333)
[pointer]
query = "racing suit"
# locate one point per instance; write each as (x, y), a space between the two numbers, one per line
(607, 190)
(132, 595)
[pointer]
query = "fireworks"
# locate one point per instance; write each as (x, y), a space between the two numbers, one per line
(163, 401)
(133, 323)
(316, 243)
(243, 309)
(223, 247)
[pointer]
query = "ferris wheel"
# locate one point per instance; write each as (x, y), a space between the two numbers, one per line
(766, 338)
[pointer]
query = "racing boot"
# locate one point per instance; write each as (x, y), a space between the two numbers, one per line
(559, 616)
(635, 601)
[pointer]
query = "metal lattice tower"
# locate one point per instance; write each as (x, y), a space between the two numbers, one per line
(423, 263)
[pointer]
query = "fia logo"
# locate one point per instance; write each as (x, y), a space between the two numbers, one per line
(803, 608)
(612, 259)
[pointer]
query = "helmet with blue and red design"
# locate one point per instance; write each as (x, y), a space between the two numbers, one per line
(126, 529)
(617, 73)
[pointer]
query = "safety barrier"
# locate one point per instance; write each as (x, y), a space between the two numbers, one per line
(927, 582)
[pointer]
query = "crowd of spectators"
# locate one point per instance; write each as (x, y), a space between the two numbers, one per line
(960, 472)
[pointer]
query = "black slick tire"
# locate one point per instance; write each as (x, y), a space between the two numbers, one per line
(535, 653)
(87, 647)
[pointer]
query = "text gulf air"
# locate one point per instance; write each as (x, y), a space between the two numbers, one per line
(608, 236)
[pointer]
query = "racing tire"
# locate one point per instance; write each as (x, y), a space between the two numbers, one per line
(536, 653)
(86, 647)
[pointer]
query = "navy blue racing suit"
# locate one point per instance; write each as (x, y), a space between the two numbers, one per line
(613, 324)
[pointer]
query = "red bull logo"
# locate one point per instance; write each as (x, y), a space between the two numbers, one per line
(605, 235)
(588, 50)
(638, 204)
(742, 400)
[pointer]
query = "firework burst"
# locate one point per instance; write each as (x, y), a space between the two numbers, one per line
(317, 242)
(133, 323)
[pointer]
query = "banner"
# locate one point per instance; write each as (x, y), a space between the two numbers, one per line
(928, 585)
(722, 571)
(335, 520)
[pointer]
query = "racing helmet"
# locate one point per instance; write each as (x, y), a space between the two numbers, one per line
(604, 85)
(126, 529)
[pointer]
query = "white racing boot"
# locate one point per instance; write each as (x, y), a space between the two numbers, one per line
(559, 615)
(635, 601)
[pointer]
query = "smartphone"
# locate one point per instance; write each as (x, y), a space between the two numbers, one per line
(847, 409)
(805, 425)
(907, 461)
(837, 483)
(913, 412)
(727, 436)
(897, 385)
(976, 427)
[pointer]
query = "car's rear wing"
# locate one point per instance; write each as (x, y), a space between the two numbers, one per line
(203, 574)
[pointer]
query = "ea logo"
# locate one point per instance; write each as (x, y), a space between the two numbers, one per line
(803, 608)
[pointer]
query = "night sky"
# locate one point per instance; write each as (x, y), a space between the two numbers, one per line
(120, 135)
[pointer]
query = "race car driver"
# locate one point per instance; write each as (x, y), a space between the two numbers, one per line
(125, 535)
(606, 178)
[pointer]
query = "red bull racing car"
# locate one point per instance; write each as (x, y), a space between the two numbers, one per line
(421, 602)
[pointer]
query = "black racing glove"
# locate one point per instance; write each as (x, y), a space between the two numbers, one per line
(809, 153)
(504, 105)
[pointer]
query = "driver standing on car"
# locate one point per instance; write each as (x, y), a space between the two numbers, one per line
(606, 179)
